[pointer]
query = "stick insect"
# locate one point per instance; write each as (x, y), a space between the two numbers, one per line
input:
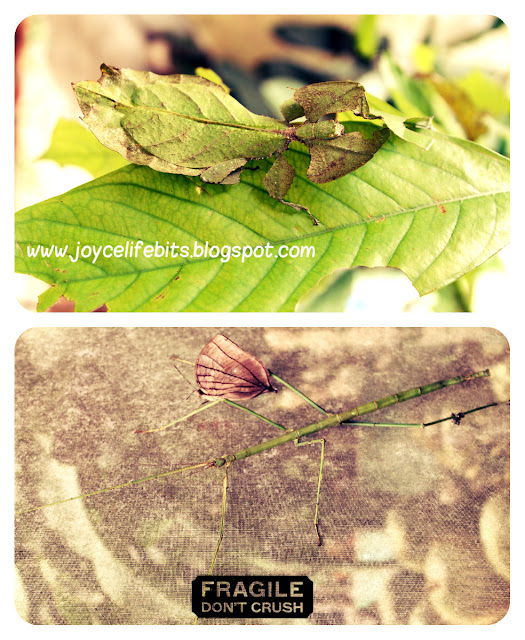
(212, 475)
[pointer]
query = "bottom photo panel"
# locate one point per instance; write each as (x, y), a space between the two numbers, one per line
(261, 476)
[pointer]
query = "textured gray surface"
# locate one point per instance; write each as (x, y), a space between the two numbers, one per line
(400, 509)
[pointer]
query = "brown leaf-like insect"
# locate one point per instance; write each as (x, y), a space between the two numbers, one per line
(191, 126)
(224, 370)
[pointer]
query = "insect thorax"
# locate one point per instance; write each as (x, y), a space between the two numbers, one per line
(323, 130)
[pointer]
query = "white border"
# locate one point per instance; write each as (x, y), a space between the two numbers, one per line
(16, 320)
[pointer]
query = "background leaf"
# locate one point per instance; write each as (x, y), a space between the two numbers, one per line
(394, 120)
(367, 36)
(73, 144)
(433, 214)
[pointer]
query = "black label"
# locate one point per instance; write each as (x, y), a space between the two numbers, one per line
(252, 596)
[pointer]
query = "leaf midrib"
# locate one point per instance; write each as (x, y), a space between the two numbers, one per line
(282, 242)
(276, 243)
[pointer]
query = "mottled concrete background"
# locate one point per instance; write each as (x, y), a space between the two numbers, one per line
(414, 523)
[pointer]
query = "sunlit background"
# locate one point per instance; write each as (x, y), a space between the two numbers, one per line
(453, 67)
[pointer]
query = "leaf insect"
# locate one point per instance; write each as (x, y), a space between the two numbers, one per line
(189, 125)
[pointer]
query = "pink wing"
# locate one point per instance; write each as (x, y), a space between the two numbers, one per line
(225, 370)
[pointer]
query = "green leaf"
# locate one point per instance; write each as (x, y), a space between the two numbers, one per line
(463, 108)
(367, 36)
(405, 90)
(210, 75)
(330, 294)
(433, 214)
(486, 93)
(424, 56)
(457, 107)
(396, 121)
(73, 144)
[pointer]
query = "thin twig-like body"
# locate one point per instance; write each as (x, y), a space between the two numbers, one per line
(289, 436)
(346, 416)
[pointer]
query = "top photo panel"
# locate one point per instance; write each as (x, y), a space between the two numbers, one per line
(262, 163)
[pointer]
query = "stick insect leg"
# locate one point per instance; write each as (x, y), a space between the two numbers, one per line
(253, 413)
(223, 514)
(292, 388)
(316, 517)
(299, 393)
(221, 527)
(203, 407)
(299, 207)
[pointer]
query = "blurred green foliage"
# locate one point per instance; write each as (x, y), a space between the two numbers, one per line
(474, 105)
